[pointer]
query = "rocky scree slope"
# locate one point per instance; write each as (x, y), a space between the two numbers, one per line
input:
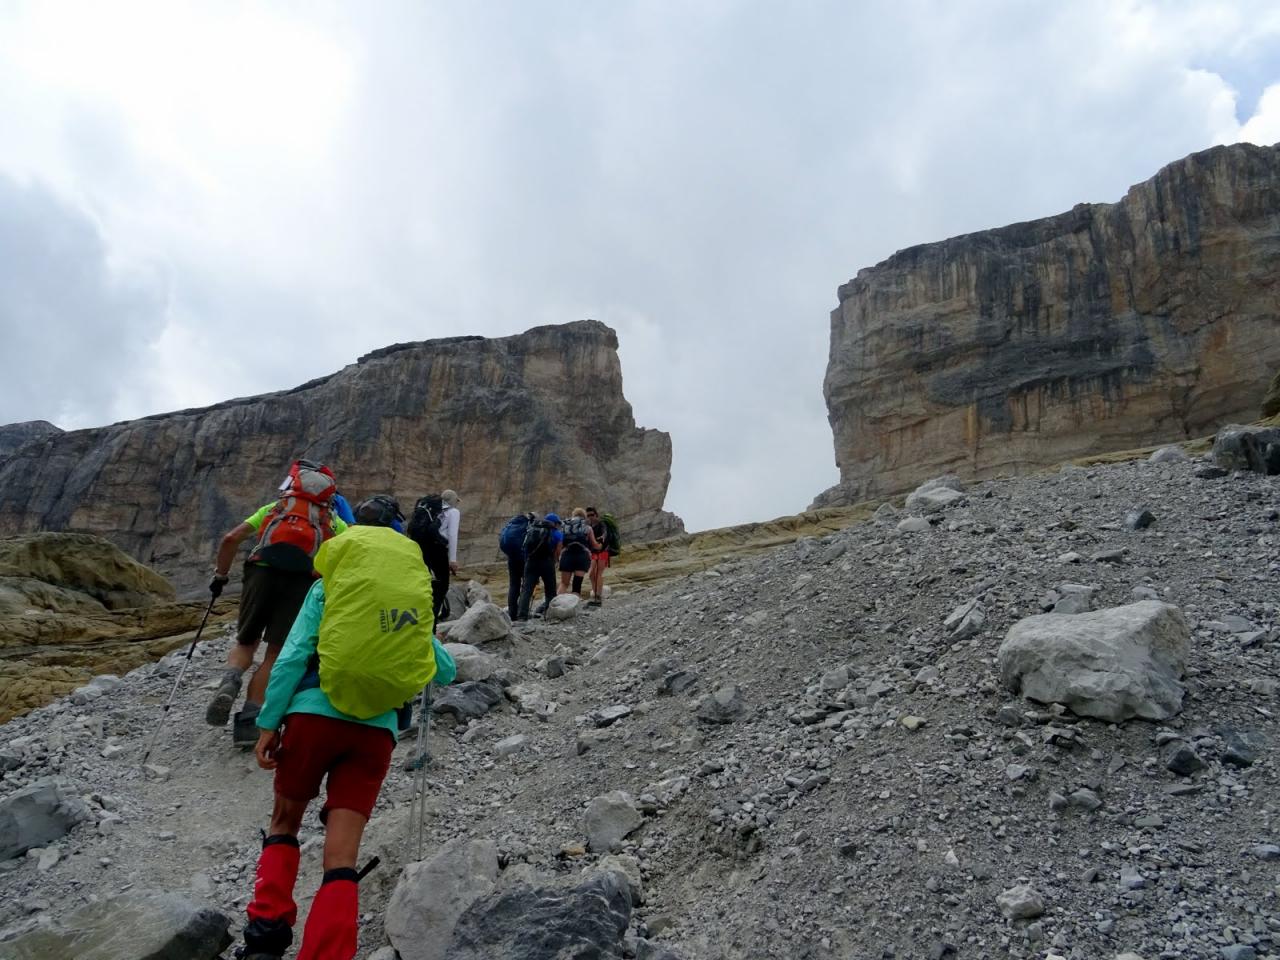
(1108, 327)
(814, 762)
(500, 420)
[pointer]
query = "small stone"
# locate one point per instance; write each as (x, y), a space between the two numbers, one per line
(1239, 951)
(510, 745)
(1086, 800)
(1131, 879)
(608, 716)
(1139, 519)
(913, 723)
(1020, 903)
(1182, 759)
(155, 771)
(1266, 851)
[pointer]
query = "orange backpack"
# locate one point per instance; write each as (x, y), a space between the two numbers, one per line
(294, 528)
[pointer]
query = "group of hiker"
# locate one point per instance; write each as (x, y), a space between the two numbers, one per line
(347, 600)
(535, 548)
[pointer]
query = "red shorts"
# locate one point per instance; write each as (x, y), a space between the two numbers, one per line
(355, 756)
(601, 557)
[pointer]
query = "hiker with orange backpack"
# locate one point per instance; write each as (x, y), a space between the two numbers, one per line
(277, 576)
(362, 644)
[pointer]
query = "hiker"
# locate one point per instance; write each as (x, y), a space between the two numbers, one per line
(277, 576)
(511, 543)
(599, 556)
(361, 645)
(541, 549)
(579, 545)
(434, 527)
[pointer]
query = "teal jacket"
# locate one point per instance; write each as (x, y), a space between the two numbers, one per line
(283, 695)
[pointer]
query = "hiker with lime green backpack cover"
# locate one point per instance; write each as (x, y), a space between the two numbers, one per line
(362, 644)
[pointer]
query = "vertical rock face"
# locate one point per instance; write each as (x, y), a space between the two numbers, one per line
(14, 435)
(530, 422)
(1108, 327)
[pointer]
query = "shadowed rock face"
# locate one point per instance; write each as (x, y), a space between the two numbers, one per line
(536, 421)
(14, 435)
(1108, 327)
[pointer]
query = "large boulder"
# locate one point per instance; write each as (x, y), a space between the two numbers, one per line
(132, 926)
(468, 701)
(1248, 448)
(546, 923)
(432, 894)
(482, 623)
(610, 818)
(1112, 664)
(472, 662)
(38, 814)
(936, 494)
(563, 606)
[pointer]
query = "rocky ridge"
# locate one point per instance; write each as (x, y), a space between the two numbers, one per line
(811, 753)
(1108, 327)
(500, 420)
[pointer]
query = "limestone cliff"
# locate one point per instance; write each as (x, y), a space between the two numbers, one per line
(1108, 327)
(535, 421)
(15, 435)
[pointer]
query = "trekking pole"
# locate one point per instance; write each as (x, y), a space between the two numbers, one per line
(177, 683)
(418, 805)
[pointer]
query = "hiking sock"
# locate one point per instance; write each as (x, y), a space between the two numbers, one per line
(330, 933)
(224, 698)
(272, 912)
(577, 584)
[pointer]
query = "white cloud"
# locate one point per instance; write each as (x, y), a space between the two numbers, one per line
(702, 177)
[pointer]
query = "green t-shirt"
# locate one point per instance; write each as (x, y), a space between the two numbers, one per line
(336, 523)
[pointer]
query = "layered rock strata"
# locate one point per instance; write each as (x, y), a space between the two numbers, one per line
(1108, 327)
(535, 421)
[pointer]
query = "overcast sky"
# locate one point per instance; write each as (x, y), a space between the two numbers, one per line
(206, 201)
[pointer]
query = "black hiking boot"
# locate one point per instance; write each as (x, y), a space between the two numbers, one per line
(244, 732)
(224, 698)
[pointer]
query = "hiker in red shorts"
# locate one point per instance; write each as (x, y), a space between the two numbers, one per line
(362, 644)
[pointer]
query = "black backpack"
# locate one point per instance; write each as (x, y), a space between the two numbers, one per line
(575, 531)
(424, 525)
(537, 538)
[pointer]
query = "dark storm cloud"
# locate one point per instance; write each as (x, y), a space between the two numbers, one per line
(72, 329)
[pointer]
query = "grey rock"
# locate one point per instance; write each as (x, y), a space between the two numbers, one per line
(886, 511)
(1112, 664)
(510, 745)
(1132, 879)
(1170, 454)
(677, 682)
(467, 701)
(456, 600)
(913, 525)
(610, 818)
(1210, 472)
(1240, 747)
(932, 499)
(1182, 759)
(1238, 951)
(432, 894)
(1085, 799)
(608, 716)
(1022, 902)
(628, 867)
(1074, 603)
(563, 606)
(1139, 519)
(547, 923)
(725, 705)
(472, 662)
(483, 623)
(38, 814)
(1266, 851)
(966, 620)
(1247, 448)
(131, 926)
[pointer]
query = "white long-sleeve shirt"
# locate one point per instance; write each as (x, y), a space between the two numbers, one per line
(449, 528)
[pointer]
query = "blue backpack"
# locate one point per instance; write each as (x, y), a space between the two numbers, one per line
(511, 540)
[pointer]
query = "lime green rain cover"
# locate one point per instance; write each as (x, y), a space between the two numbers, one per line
(375, 636)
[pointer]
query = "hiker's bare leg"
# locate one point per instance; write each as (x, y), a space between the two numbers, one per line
(258, 685)
(564, 581)
(597, 577)
(286, 816)
(342, 832)
(241, 655)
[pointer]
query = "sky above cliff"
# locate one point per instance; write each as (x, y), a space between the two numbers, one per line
(206, 201)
